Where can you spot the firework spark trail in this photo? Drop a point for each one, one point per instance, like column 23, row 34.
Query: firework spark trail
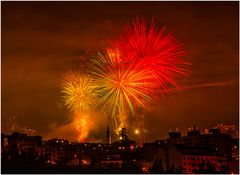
column 217, row 84
column 121, row 84
column 78, row 94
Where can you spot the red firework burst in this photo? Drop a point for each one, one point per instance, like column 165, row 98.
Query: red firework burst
column 156, row 50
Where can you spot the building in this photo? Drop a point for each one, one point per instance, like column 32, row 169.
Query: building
column 19, row 145
column 54, row 150
column 214, row 139
column 211, row 152
column 230, row 129
column 188, row 159
column 111, row 161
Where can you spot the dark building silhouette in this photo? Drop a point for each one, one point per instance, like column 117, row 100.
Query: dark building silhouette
column 212, row 152
column 187, row 159
column 174, row 134
column 17, row 145
column 193, row 132
column 214, row 139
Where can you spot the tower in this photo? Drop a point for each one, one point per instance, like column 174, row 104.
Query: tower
column 108, row 135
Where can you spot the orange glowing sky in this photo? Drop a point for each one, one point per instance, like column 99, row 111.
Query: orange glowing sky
column 43, row 40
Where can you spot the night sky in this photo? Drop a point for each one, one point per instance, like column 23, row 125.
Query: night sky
column 43, row 40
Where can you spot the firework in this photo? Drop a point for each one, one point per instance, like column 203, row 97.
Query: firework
column 79, row 98
column 83, row 125
column 12, row 126
column 130, row 74
column 157, row 51
column 77, row 91
column 121, row 85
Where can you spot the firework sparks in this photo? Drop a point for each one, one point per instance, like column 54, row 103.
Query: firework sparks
column 121, row 84
column 14, row 127
column 83, row 125
column 156, row 50
column 77, row 91
column 79, row 97
column 129, row 75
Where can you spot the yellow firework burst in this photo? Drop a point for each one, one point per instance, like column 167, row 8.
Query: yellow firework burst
column 77, row 90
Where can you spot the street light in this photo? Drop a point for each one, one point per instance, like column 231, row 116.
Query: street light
column 136, row 131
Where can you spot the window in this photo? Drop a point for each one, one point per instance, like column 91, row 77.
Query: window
column 184, row 163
